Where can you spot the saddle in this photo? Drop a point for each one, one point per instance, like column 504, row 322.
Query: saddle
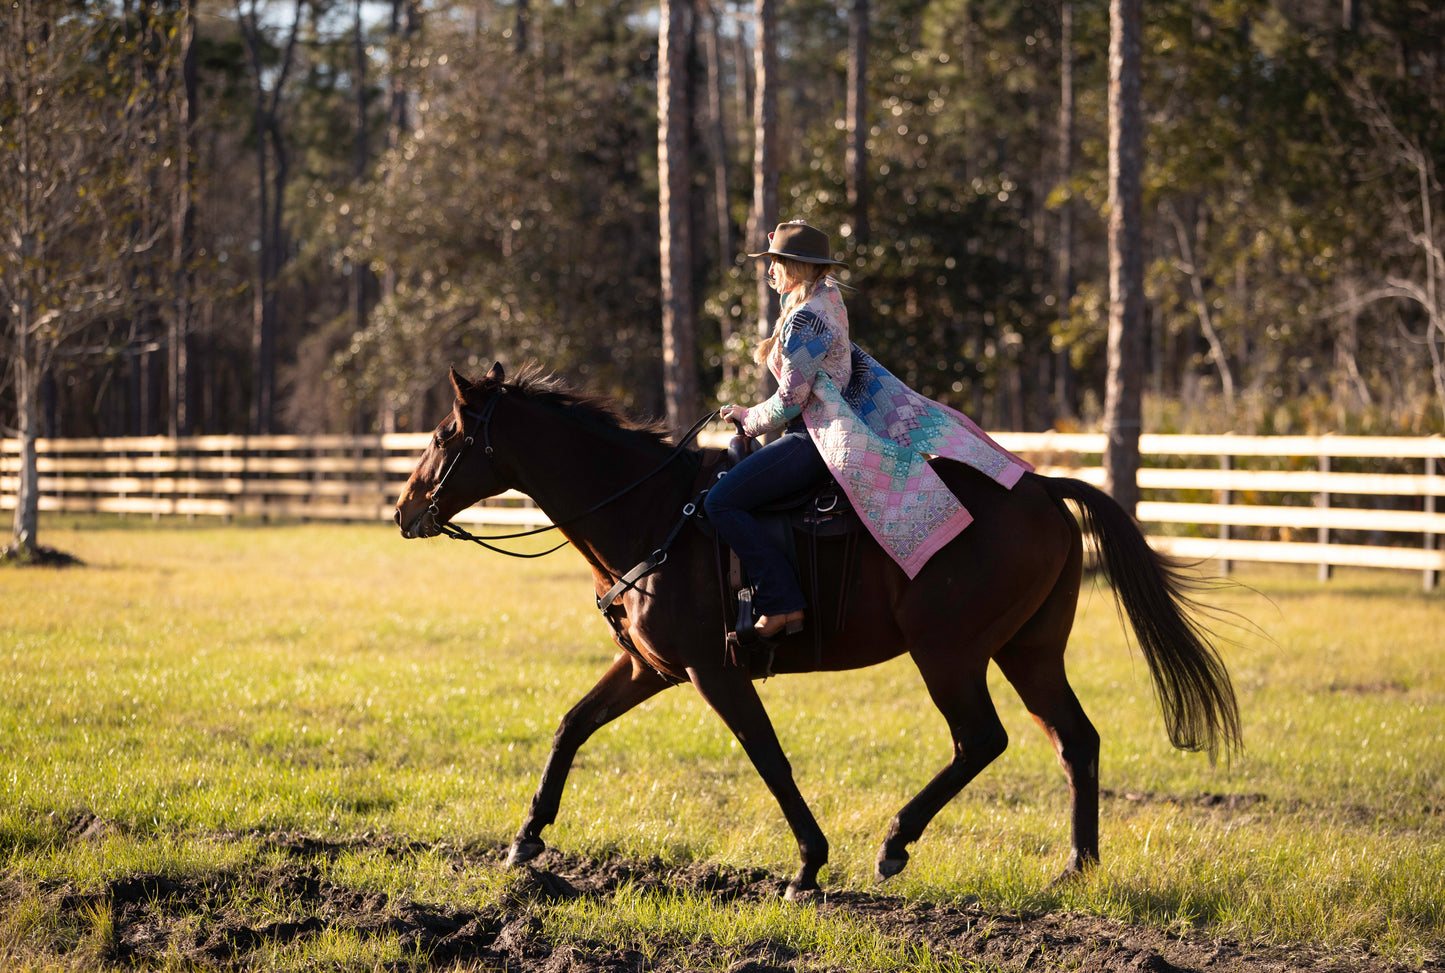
column 821, row 515
column 820, row 511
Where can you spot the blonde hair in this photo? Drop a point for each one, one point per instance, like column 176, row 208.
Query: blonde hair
column 810, row 277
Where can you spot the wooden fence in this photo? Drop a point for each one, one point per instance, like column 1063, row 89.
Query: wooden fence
column 1323, row 500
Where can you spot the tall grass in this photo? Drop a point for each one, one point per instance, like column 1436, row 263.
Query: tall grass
column 191, row 690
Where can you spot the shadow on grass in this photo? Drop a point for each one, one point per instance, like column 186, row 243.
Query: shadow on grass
column 25, row 556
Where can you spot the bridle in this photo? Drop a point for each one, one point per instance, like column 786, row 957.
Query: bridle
column 482, row 423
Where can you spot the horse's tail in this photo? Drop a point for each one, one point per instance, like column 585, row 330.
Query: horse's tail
column 1154, row 591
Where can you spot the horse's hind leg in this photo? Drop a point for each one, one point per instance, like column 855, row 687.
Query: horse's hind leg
column 1036, row 671
column 961, row 694
column 1033, row 661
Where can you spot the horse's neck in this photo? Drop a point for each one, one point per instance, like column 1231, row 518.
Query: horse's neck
column 568, row 468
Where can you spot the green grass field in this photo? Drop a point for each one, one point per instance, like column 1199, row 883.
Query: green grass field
column 191, row 692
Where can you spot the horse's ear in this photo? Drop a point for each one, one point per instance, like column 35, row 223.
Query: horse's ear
column 460, row 384
column 495, row 373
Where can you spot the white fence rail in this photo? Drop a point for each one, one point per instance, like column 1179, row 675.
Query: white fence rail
column 1327, row 500
column 1324, row 500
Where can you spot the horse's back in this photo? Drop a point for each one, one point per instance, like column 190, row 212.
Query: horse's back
column 1008, row 518
column 1002, row 567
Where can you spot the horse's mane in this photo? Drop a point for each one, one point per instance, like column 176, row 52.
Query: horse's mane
column 536, row 382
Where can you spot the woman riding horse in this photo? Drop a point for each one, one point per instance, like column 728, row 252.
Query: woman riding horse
column 842, row 413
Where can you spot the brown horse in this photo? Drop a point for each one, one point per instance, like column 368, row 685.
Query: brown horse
column 1004, row 590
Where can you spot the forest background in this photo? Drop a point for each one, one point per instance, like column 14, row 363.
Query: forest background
column 252, row 216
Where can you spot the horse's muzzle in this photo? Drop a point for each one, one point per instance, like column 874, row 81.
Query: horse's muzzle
column 424, row 524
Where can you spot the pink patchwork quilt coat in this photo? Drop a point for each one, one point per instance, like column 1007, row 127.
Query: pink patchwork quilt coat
column 875, row 433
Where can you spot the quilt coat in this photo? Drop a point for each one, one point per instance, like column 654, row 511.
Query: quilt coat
column 875, row 433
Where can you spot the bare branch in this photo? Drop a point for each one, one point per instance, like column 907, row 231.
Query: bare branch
column 1201, row 304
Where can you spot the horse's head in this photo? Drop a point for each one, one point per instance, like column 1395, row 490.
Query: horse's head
column 456, row 470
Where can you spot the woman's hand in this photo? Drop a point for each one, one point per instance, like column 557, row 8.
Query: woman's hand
column 733, row 413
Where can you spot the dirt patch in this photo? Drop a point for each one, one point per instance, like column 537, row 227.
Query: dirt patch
column 1387, row 687
column 1214, row 802
column 229, row 921
column 215, row 923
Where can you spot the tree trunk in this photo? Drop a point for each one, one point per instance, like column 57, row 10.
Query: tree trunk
column 26, row 366
column 765, row 163
column 405, row 21
column 1123, row 393
column 405, row 24
column 679, row 356
column 263, row 336
column 260, row 386
column 1064, row 281
column 271, row 188
column 524, row 18
column 359, row 159
column 1350, row 15
column 363, row 281
column 856, row 162
column 26, row 521
column 718, row 150
column 743, row 103
column 183, row 228
column 717, row 133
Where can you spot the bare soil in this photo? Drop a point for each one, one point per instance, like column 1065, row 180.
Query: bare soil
column 155, row 917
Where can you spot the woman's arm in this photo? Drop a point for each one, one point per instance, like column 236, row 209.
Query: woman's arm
column 805, row 342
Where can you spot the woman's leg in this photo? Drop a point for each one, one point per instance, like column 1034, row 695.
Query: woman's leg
column 786, row 466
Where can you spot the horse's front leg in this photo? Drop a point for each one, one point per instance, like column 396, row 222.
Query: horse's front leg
column 623, row 687
column 730, row 692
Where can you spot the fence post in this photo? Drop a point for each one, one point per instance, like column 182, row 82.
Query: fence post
column 193, row 479
column 381, row 471
column 124, row 467
column 1226, row 463
column 245, row 470
column 308, row 502
column 1431, row 576
column 156, row 485
column 1322, row 502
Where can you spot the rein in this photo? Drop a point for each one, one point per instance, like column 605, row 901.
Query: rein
column 482, row 421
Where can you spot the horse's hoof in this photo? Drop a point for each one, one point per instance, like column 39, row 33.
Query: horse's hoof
column 802, row 893
column 524, row 851
column 1069, row 876
column 892, row 857
column 886, row 868
column 1079, row 865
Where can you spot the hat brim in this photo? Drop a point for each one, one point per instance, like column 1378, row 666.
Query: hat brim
column 801, row 258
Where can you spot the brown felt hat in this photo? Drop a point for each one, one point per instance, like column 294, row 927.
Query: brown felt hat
column 799, row 241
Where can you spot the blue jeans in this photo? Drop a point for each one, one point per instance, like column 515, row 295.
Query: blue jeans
column 785, row 466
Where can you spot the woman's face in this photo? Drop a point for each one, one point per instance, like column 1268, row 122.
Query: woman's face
column 778, row 277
